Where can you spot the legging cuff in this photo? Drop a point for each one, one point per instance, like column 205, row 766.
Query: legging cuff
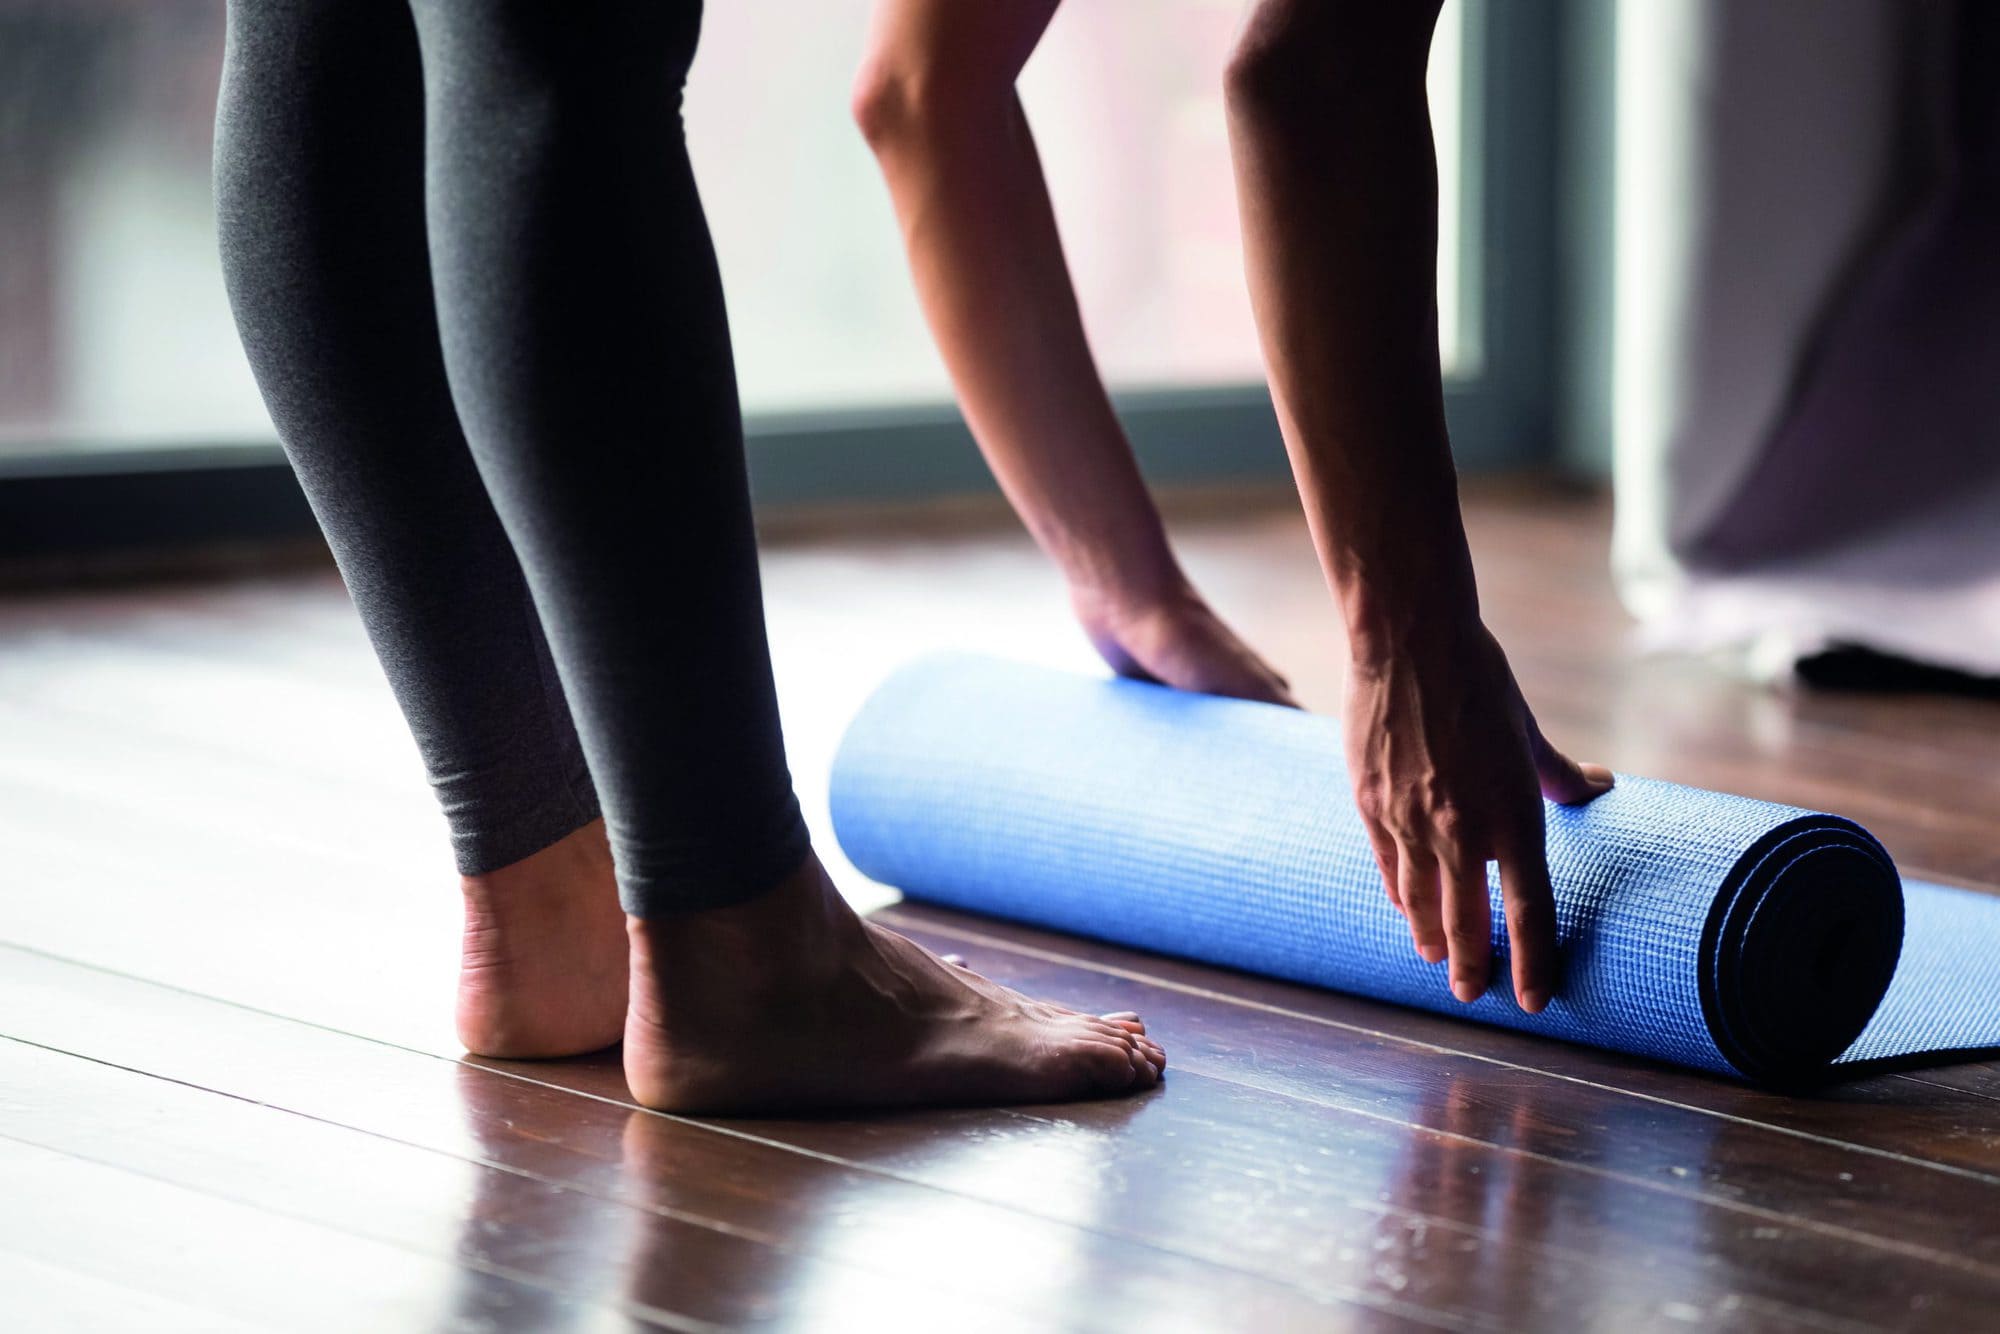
column 692, row 879
column 479, row 849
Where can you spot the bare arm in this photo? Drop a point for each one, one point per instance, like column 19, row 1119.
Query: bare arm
column 1337, row 184
column 936, row 100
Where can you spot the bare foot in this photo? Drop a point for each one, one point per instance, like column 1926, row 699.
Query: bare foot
column 543, row 969
column 791, row 1002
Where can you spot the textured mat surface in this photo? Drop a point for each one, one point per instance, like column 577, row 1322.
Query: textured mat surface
column 1712, row 931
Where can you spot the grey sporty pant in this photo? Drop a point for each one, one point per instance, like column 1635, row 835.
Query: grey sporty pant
column 467, row 258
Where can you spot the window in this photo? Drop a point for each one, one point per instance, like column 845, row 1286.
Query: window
column 118, row 358
column 1129, row 125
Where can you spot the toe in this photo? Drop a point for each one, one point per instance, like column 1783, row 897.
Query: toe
column 1105, row 1028
column 1102, row 1067
column 1145, row 1074
column 1128, row 1020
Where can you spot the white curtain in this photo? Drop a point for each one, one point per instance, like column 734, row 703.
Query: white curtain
column 1806, row 328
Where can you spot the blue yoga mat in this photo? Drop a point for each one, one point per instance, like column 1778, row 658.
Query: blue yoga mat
column 1712, row 931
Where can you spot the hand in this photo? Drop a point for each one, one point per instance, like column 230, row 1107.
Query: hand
column 1449, row 769
column 1176, row 640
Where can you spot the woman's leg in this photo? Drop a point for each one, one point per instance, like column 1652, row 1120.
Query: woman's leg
column 589, row 356
column 319, row 185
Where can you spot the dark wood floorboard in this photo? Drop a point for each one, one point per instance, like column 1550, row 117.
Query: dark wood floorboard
column 1163, row 1201
column 1937, row 1117
column 696, row 1198
column 563, row 1247
column 224, row 1263
column 233, row 1099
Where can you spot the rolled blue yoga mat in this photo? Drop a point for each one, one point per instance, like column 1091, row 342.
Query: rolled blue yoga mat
column 1738, row 936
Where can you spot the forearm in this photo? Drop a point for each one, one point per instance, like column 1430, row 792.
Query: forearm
column 1337, row 180
column 969, row 194
column 1330, row 136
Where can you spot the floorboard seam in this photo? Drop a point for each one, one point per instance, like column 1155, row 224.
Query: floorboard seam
column 1907, row 1249
column 1353, row 1297
column 555, row 1183
column 1950, row 1088
column 651, row 1315
column 1188, row 989
column 1341, row 1293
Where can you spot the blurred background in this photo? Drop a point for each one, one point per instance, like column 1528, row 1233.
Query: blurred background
column 1730, row 251
column 115, row 335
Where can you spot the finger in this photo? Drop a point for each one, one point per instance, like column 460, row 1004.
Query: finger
column 1256, row 689
column 1281, row 687
column 1238, row 675
column 1276, row 689
column 1127, row 666
column 1468, row 921
column 1563, row 779
column 1531, row 918
column 1418, row 881
column 1385, row 860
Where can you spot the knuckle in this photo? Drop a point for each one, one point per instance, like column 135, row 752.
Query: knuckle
column 1529, row 912
column 1450, row 821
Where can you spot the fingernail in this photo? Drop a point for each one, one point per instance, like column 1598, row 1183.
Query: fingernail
column 1534, row 1002
column 1465, row 989
column 1431, row 953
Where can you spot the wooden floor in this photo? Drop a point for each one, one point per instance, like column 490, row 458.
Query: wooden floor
column 229, row 1097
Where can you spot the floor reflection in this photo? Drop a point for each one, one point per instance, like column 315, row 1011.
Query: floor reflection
column 567, row 1241
column 898, row 1210
column 1503, row 1195
column 1490, row 1192
column 1557, row 1213
column 1464, row 1218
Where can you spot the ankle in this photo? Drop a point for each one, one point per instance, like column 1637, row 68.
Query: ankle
column 542, row 965
column 575, row 868
column 782, row 939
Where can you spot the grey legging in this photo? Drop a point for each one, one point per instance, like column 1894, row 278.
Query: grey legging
column 465, row 251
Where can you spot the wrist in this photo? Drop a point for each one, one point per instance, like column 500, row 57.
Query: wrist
column 1124, row 576
column 1409, row 614
column 1118, row 607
